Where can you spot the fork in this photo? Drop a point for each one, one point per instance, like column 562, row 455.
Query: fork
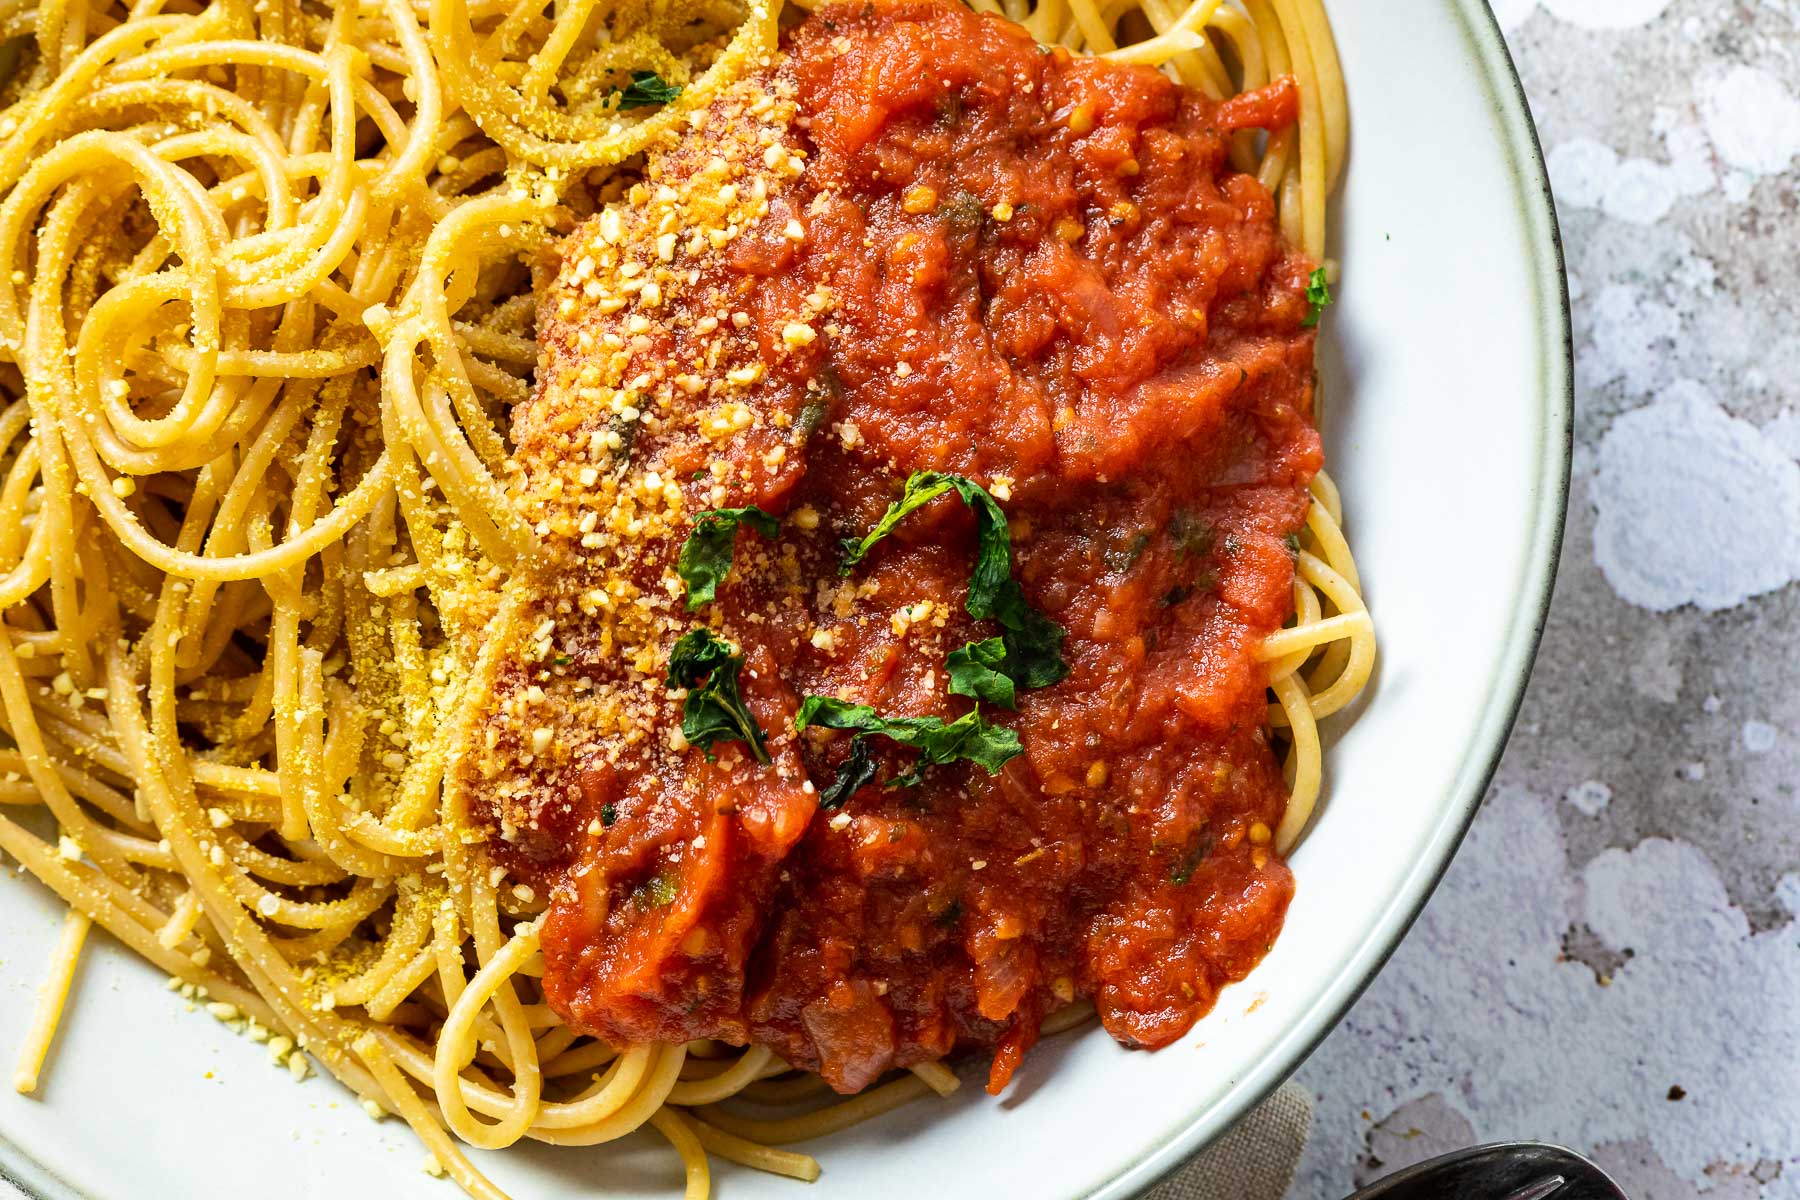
column 1506, row 1171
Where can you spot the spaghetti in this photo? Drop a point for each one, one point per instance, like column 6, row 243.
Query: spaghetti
column 269, row 299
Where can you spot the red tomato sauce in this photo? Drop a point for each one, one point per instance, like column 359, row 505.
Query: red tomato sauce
column 1044, row 275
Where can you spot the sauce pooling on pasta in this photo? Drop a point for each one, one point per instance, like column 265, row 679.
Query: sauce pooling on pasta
column 915, row 242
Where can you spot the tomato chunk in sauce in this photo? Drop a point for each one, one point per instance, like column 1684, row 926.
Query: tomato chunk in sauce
column 914, row 241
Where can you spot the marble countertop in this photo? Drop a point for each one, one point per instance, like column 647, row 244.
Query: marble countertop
column 1613, row 961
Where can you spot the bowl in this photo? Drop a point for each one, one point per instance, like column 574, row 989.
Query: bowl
column 1445, row 366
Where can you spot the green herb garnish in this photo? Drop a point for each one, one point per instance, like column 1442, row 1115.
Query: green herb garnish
column 608, row 814
column 921, row 489
column 822, row 395
column 713, row 712
column 658, row 891
column 977, row 670
column 911, row 779
column 949, row 108
column 1183, row 870
column 962, row 214
column 856, row 773
column 647, row 88
column 706, row 555
column 1123, row 558
column 1318, row 295
column 628, row 433
column 1194, row 534
column 1033, row 641
column 968, row 738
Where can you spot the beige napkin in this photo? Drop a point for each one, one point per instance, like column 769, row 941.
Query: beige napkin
column 1253, row 1160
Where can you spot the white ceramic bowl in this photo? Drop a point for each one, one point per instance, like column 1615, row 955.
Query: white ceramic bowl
column 1446, row 364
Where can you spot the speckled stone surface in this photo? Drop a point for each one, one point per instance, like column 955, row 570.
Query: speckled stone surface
column 1613, row 961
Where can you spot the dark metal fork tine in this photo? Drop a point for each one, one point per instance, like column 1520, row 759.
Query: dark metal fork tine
column 1543, row 1189
column 1506, row 1171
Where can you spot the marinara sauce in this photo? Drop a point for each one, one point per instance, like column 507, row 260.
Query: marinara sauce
column 978, row 256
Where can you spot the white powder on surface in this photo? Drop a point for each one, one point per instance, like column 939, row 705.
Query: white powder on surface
column 1784, row 431
column 1589, row 797
column 1787, row 891
column 1633, row 335
column 1752, row 118
column 1693, row 506
column 1588, row 174
column 1759, row 737
column 1579, row 169
column 1640, row 192
column 1512, row 13
column 1606, row 14
column 1588, row 14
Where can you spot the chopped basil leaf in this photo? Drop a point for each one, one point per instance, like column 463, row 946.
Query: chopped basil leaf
column 1183, row 870
column 1123, row 558
column 1292, row 542
column 968, row 738
column 608, row 814
column 912, row 778
column 706, row 555
column 962, row 215
column 1033, row 641
column 646, row 88
column 856, row 772
column 713, row 712
column 696, row 656
column 658, row 891
column 949, row 108
column 628, row 433
column 1318, row 295
column 977, row 670
column 812, row 415
column 1192, row 533
column 921, row 489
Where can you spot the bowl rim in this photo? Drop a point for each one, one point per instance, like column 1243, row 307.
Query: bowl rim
column 1506, row 94
column 1481, row 29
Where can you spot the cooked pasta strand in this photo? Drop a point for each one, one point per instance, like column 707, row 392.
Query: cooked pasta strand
column 53, row 993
